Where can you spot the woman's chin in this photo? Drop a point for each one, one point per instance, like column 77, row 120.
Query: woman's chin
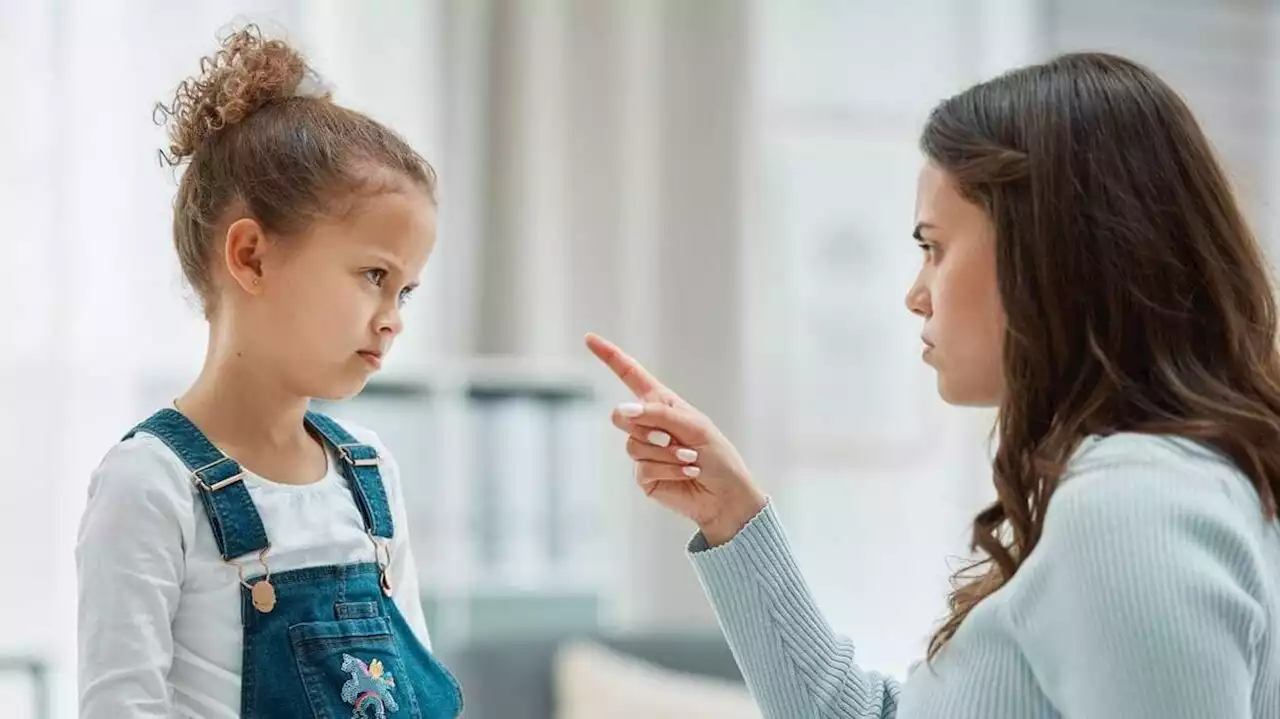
column 966, row 394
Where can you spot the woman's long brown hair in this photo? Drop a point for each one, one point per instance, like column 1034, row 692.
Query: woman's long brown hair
column 1137, row 298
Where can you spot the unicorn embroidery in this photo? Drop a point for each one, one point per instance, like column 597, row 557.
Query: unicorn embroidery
column 368, row 687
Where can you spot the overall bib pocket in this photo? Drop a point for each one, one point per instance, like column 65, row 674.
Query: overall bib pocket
column 350, row 667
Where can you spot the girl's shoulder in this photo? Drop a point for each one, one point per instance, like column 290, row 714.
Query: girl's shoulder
column 144, row 469
column 389, row 468
column 139, row 488
column 362, row 434
column 141, row 463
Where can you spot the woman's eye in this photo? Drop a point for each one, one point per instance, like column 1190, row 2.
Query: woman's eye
column 376, row 276
column 930, row 250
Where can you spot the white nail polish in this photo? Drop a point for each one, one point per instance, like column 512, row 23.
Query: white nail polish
column 660, row 439
column 684, row 454
column 691, row 471
column 630, row 409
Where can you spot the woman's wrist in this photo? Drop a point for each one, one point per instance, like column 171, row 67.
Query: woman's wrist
column 726, row 525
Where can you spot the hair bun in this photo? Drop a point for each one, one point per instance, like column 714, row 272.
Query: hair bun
column 246, row 73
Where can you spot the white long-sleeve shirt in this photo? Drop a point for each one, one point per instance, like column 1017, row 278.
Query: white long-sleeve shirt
column 159, row 611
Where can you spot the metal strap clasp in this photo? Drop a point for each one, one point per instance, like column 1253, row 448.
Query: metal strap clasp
column 349, row 458
column 198, row 476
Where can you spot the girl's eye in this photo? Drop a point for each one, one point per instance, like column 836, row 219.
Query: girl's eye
column 376, row 276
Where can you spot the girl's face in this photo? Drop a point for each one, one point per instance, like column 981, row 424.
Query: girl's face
column 323, row 308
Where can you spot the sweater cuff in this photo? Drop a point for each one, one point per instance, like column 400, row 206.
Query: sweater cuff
column 725, row 567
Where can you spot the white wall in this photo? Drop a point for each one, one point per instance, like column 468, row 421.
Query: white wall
column 876, row 479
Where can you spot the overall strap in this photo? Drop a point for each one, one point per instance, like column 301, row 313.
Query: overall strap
column 360, row 467
column 237, row 526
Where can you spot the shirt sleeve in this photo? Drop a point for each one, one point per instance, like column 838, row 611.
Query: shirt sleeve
column 130, row 564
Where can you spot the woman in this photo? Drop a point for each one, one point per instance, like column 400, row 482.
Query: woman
column 1087, row 271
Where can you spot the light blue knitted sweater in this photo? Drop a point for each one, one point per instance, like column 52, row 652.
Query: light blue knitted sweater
column 1154, row 593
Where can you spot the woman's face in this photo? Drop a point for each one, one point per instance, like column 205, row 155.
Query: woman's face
column 956, row 293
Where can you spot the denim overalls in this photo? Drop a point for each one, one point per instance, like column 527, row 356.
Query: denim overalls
column 328, row 639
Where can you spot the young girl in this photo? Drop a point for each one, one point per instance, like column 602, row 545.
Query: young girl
column 1086, row 270
column 240, row 555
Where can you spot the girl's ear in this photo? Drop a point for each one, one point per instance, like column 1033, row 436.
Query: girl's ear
column 244, row 246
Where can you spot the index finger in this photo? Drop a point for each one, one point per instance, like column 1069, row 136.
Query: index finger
column 637, row 379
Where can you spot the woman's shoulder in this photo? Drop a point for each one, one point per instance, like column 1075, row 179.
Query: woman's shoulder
column 1132, row 505
column 1108, row 473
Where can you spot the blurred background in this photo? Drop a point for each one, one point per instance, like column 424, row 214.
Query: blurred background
column 724, row 187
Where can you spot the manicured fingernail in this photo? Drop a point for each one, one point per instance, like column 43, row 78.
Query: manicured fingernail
column 660, row 439
column 691, row 471
column 630, row 409
column 684, row 454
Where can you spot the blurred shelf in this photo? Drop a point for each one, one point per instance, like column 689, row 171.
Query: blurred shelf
column 490, row 377
column 491, row 582
column 481, row 377
column 506, row 616
column 36, row 671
